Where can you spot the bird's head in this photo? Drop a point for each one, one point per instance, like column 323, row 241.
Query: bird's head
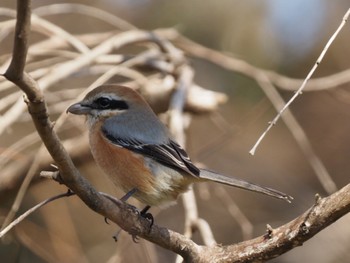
column 120, row 111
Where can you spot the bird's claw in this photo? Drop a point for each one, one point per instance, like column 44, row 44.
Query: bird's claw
column 143, row 213
column 135, row 238
column 149, row 217
column 116, row 235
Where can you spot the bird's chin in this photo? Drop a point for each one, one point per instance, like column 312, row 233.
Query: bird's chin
column 91, row 120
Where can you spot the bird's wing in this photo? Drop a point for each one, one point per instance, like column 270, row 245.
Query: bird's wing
column 173, row 155
column 170, row 154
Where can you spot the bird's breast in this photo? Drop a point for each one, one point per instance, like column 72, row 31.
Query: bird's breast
column 156, row 183
column 125, row 168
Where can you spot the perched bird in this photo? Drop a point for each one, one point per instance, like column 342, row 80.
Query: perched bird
column 136, row 151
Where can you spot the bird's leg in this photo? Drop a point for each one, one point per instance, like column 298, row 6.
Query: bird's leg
column 145, row 209
column 124, row 198
column 143, row 213
column 128, row 194
column 116, row 235
column 146, row 215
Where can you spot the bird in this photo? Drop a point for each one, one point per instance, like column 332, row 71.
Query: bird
column 136, row 151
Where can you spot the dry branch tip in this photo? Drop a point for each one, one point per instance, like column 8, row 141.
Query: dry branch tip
column 269, row 232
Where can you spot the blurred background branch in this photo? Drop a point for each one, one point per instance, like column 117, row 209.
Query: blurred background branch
column 103, row 47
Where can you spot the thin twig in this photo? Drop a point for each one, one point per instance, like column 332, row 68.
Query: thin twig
column 234, row 210
column 177, row 103
column 299, row 135
column 65, row 69
column 300, row 90
column 24, row 187
column 85, row 10
column 240, row 66
column 32, row 210
column 50, row 29
column 266, row 79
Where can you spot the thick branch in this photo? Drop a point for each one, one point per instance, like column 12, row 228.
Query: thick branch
column 280, row 240
column 324, row 212
column 118, row 212
column 21, row 39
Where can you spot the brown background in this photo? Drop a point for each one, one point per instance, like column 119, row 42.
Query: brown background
column 68, row 231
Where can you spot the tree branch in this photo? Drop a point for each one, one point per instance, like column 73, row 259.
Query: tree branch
column 324, row 212
column 276, row 242
column 121, row 213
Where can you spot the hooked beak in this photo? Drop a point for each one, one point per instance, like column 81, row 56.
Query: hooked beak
column 79, row 109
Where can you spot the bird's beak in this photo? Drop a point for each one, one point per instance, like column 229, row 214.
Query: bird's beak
column 79, row 109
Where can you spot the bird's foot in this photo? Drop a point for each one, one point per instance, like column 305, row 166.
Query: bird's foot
column 147, row 215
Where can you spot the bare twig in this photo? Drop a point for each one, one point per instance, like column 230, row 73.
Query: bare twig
column 177, row 128
column 178, row 102
column 266, row 79
column 65, row 69
column 23, row 189
column 300, row 90
column 85, row 10
column 135, row 224
column 235, row 212
column 323, row 213
column 5, row 230
column 299, row 135
column 243, row 67
column 193, row 221
column 34, row 166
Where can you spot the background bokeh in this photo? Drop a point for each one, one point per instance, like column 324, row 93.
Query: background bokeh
column 283, row 36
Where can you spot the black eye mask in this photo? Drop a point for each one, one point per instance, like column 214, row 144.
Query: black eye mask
column 111, row 104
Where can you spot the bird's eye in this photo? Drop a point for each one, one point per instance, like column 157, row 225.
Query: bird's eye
column 103, row 103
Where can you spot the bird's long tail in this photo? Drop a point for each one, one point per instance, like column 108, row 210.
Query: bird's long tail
column 215, row 177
